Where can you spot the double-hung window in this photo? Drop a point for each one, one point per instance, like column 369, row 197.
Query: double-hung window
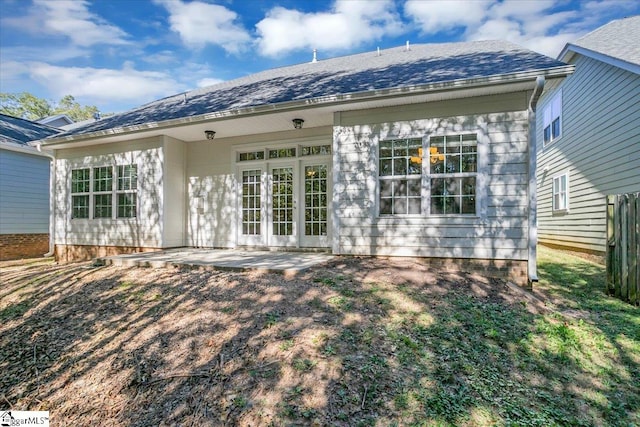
column 450, row 173
column 126, row 193
column 95, row 193
column 400, row 176
column 560, row 192
column 102, row 192
column 552, row 119
column 453, row 166
column 80, row 193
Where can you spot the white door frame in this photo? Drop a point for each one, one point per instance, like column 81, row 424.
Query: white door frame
column 266, row 237
column 323, row 237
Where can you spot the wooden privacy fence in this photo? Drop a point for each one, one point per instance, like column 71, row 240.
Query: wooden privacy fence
column 623, row 246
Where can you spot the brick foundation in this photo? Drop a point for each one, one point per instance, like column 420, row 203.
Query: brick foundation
column 515, row 271
column 512, row 270
column 18, row 246
column 76, row 253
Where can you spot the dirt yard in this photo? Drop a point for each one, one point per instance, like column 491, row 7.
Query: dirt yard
column 358, row 341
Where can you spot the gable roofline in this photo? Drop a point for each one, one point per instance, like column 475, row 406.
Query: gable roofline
column 570, row 50
column 21, row 131
column 321, row 101
column 48, row 119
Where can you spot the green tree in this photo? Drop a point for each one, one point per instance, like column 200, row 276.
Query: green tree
column 30, row 107
column 69, row 106
column 24, row 105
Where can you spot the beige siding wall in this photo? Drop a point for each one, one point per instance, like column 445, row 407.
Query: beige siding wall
column 212, row 206
column 599, row 148
column 174, row 166
column 498, row 231
column 211, row 214
column 142, row 231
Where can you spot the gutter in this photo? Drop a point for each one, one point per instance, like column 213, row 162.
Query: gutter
column 20, row 148
column 52, row 199
column 532, row 265
column 318, row 102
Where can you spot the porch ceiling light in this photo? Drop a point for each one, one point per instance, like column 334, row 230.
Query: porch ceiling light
column 297, row 123
column 210, row 134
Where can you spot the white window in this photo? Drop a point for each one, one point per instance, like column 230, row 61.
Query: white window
column 560, row 192
column 400, row 176
column 451, row 175
column 453, row 162
column 552, row 119
column 94, row 195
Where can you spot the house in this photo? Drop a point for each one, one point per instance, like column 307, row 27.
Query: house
column 413, row 151
column 588, row 133
column 56, row 121
column 24, row 189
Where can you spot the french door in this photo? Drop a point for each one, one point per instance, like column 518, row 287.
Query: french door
column 285, row 204
column 282, row 209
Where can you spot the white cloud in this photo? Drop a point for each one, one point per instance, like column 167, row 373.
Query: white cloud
column 70, row 19
column 199, row 24
column 104, row 84
column 209, row 82
column 442, row 15
column 348, row 24
column 531, row 24
column 541, row 25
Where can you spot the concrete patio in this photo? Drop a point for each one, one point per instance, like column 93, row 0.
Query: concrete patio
column 288, row 263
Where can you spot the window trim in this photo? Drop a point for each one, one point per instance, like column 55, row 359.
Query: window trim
column 114, row 192
column 554, row 179
column 426, row 175
column 407, row 177
column 461, row 175
column 552, row 111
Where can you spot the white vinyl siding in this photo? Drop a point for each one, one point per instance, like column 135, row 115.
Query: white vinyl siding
column 600, row 145
column 498, row 230
column 143, row 230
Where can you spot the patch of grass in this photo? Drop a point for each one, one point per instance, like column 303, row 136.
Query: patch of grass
column 287, row 345
column 14, row 310
column 325, row 280
column 123, row 286
column 303, row 365
column 271, row 319
column 340, row 303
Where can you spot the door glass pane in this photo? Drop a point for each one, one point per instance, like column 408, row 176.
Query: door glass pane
column 315, row 197
column 251, row 202
column 282, row 210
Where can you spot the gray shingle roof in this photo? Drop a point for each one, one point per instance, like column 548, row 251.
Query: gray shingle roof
column 21, row 131
column 619, row 39
column 393, row 68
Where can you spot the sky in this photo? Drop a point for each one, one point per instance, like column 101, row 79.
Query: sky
column 120, row 54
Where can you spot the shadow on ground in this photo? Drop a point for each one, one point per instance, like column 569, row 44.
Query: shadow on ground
column 358, row 341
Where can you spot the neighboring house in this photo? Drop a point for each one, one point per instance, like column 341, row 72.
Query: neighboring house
column 416, row 152
column 24, row 189
column 58, row 121
column 588, row 134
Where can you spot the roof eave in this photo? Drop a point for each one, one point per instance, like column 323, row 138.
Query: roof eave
column 571, row 49
column 20, row 148
column 556, row 72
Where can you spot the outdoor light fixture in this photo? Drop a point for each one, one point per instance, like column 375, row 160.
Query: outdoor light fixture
column 210, row 134
column 297, row 123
